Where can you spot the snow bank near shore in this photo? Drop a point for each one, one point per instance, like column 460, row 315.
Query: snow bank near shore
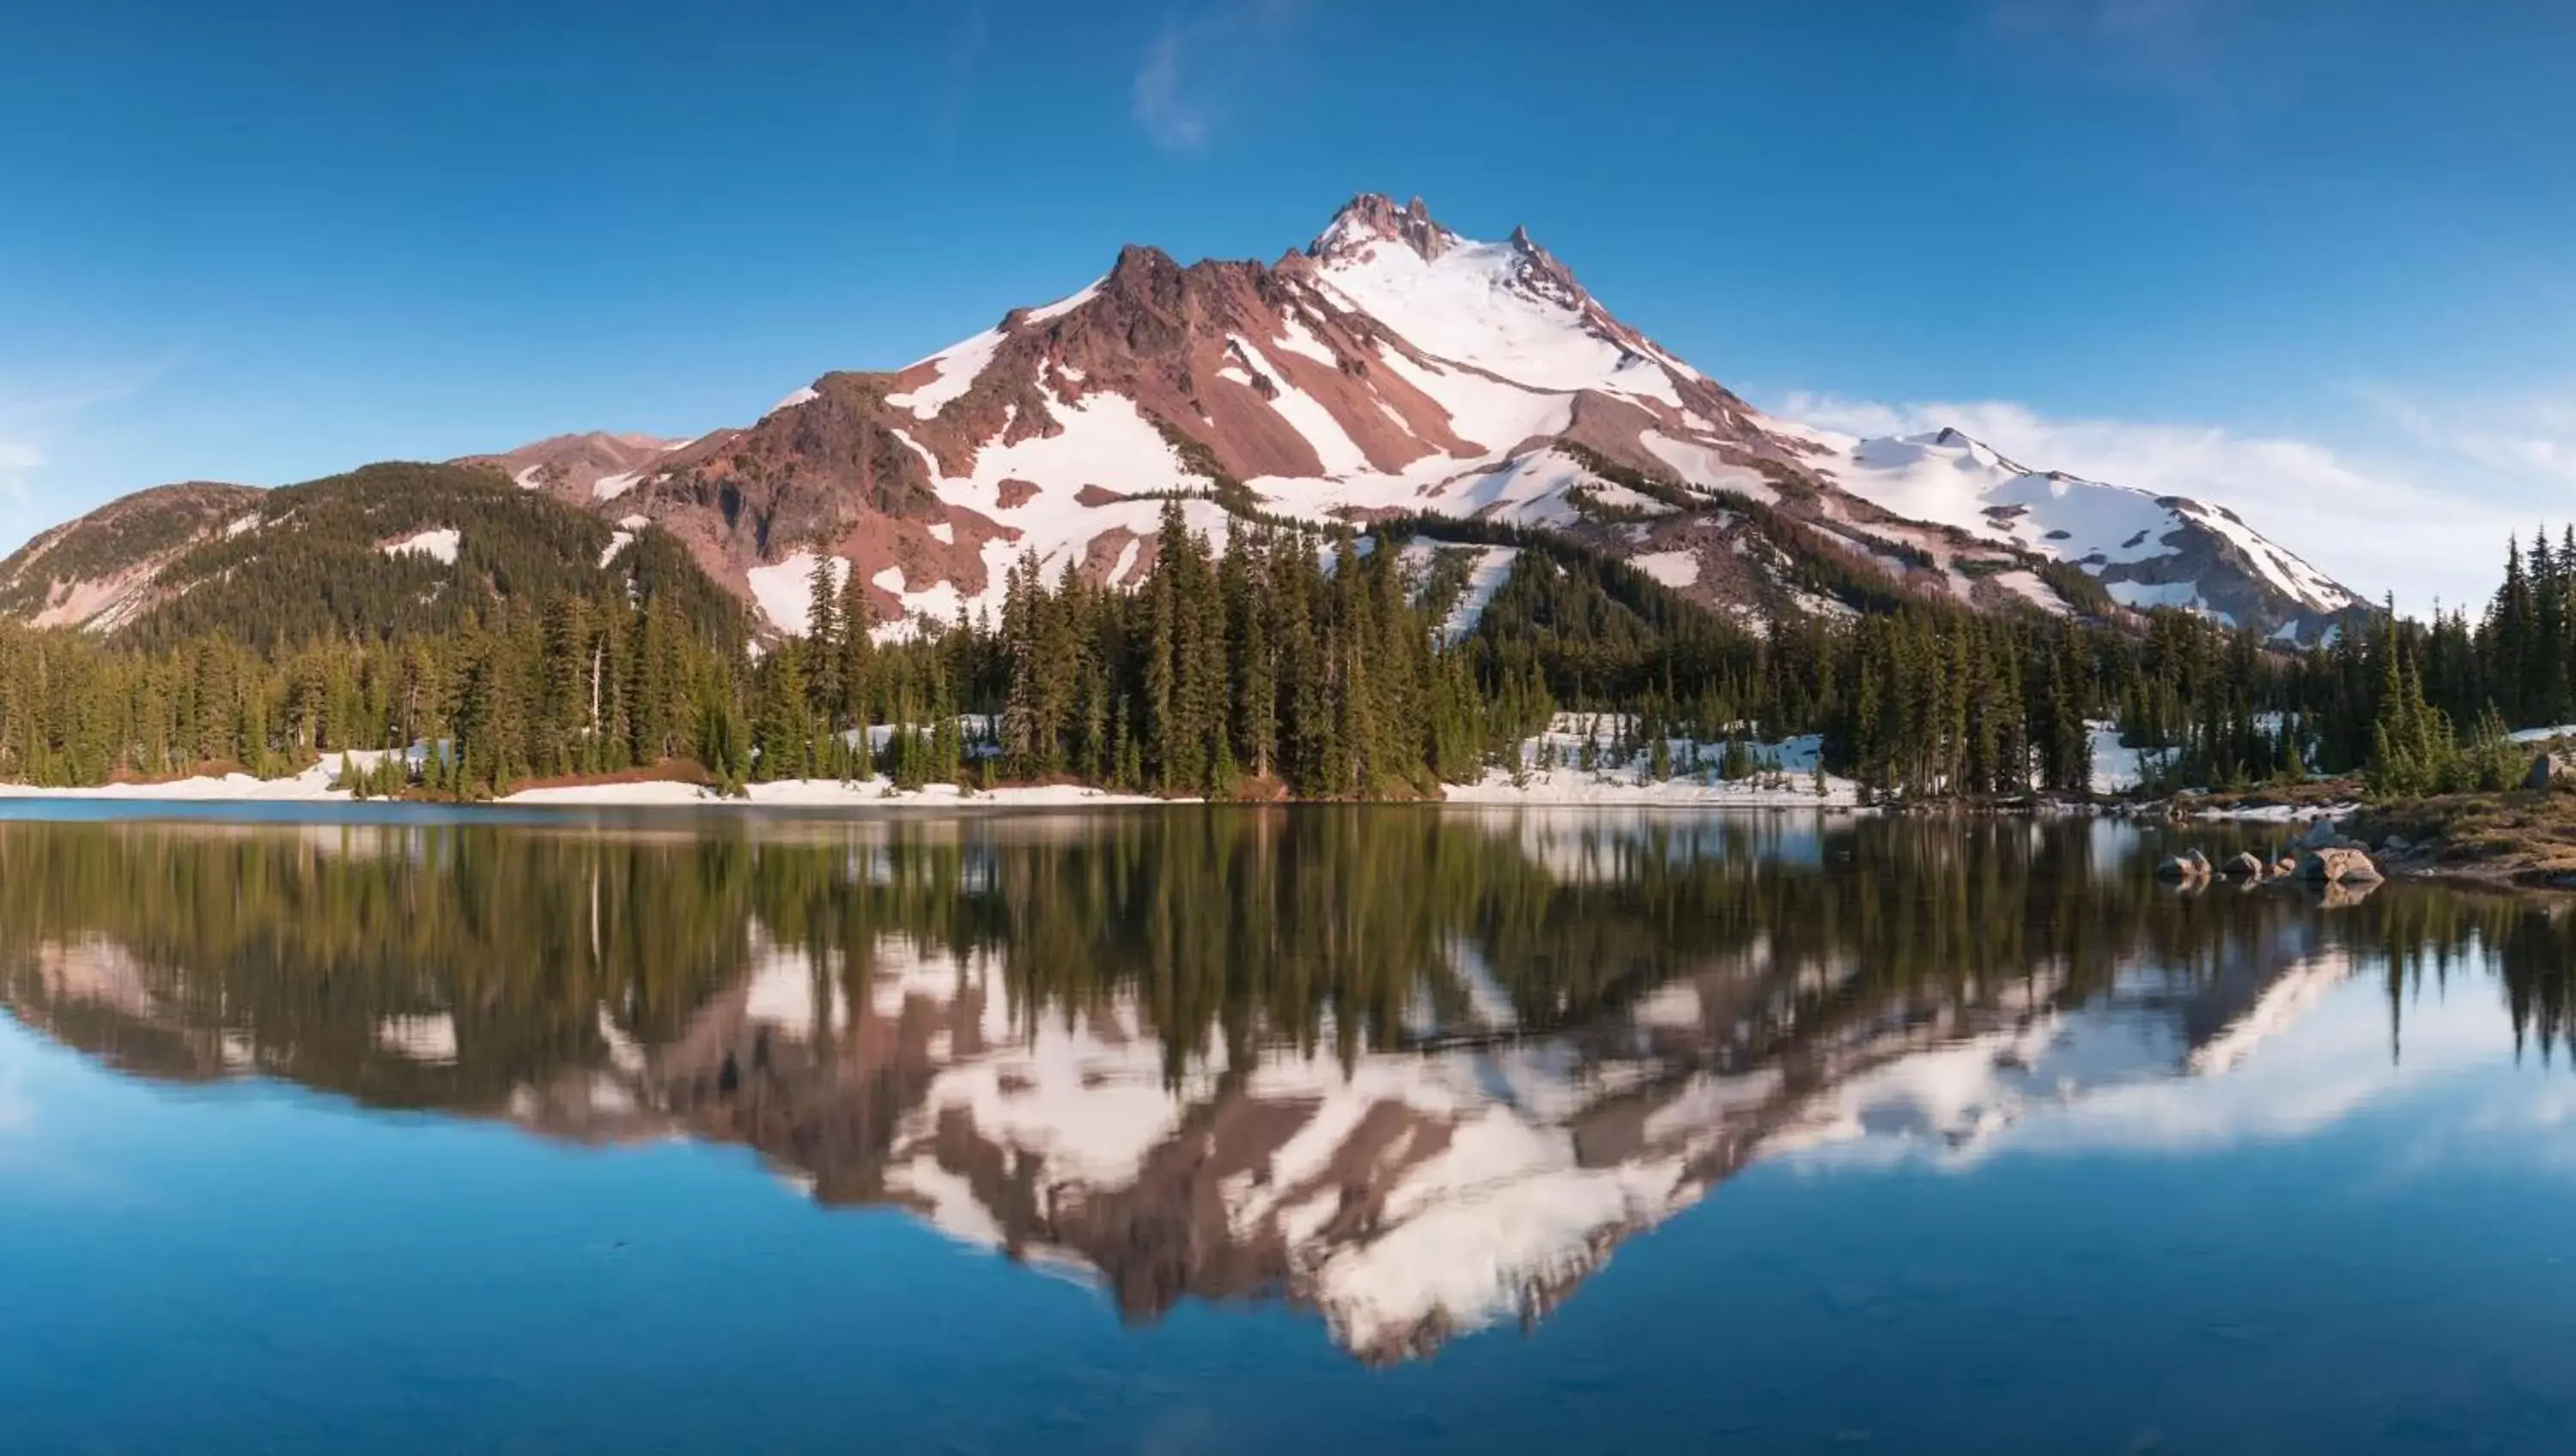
column 313, row 785
column 1557, row 768
column 1553, row 771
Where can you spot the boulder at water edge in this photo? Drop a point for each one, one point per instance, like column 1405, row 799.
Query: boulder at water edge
column 2187, row 868
column 2337, row 867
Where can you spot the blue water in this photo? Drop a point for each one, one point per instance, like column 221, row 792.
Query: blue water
column 2326, row 1247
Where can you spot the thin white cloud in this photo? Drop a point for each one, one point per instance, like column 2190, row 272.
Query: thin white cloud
column 31, row 420
column 17, row 1110
column 964, row 62
column 1181, row 88
column 2421, row 525
column 2171, row 45
column 19, row 462
column 2529, row 434
column 20, row 514
column 1175, row 122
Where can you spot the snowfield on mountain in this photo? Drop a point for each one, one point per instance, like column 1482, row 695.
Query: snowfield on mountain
column 1390, row 369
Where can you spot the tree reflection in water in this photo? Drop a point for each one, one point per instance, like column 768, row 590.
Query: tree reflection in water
column 1418, row 1070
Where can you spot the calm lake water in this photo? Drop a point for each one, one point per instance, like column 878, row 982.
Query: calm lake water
column 1176, row 1131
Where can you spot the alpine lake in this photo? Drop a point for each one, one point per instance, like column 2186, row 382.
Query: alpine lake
column 398, row 1129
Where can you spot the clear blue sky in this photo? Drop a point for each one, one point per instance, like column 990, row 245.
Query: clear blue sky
column 2296, row 247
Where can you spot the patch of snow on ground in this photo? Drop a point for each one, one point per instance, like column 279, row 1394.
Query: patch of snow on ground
column 2140, row 595
column 1552, row 772
column 1297, row 339
column 1531, row 491
column 440, row 543
column 2028, row 586
column 1700, row 465
column 943, row 533
column 1308, row 417
column 1489, row 413
column 311, row 785
column 1066, row 304
column 785, row 590
column 958, row 366
column 1468, row 306
column 2117, row 768
column 617, row 541
column 802, row 396
column 1493, row 567
column 1675, row 569
column 610, row 487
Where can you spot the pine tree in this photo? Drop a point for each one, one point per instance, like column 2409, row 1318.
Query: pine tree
column 785, row 731
column 823, row 629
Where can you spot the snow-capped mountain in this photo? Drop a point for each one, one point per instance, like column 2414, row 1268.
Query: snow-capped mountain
column 2147, row 550
column 1391, row 367
column 1394, row 367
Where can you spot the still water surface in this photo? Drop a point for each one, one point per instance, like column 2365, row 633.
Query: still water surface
column 1372, row 1130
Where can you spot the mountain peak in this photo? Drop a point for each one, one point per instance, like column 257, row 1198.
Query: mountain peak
column 1372, row 216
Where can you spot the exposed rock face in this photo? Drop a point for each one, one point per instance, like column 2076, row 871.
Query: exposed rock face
column 102, row 570
column 594, row 469
column 2245, row 867
column 1392, row 367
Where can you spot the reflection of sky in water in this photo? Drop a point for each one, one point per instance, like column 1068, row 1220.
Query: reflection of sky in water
column 17, row 1113
column 2316, row 1052
column 2047, row 1242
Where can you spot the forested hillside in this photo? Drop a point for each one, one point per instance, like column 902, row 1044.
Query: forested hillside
column 425, row 605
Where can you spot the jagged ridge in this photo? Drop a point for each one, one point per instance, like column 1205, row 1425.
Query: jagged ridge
column 1391, row 367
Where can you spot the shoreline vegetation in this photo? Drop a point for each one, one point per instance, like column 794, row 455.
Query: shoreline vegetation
column 2505, row 839
column 1280, row 664
column 2522, row 838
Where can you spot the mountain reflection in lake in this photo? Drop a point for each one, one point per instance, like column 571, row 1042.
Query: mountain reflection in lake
column 1418, row 1073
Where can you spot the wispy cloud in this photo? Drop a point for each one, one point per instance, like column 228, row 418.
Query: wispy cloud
column 965, row 60
column 1173, row 120
column 2528, row 434
column 2179, row 47
column 1180, row 89
column 17, row 1112
column 19, row 462
column 33, row 418
column 2424, row 524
